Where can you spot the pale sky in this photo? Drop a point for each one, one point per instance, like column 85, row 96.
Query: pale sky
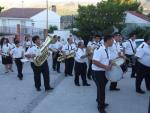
column 30, row 3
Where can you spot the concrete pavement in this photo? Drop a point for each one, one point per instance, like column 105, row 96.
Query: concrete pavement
column 68, row 98
column 20, row 96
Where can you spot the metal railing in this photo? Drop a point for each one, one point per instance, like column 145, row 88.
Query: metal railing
column 24, row 30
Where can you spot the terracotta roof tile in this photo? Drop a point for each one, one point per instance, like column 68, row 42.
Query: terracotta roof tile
column 21, row 12
column 142, row 16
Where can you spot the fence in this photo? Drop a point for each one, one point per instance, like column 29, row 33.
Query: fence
column 23, row 30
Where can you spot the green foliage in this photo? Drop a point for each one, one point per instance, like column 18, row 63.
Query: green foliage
column 101, row 18
column 141, row 31
column 1, row 8
column 52, row 28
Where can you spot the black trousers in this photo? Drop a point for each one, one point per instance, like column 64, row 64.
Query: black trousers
column 101, row 81
column 56, row 64
column 37, row 70
column 80, row 69
column 89, row 74
column 69, row 63
column 133, row 65
column 19, row 65
column 143, row 72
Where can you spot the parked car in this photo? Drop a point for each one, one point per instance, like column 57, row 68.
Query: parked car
column 139, row 41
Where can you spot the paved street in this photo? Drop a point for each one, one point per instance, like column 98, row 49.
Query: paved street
column 68, row 98
column 21, row 97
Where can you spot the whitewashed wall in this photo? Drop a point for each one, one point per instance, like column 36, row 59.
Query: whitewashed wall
column 130, row 18
column 40, row 19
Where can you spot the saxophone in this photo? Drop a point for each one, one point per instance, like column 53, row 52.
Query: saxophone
column 62, row 58
column 44, row 52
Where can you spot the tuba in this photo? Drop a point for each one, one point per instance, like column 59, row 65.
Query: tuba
column 44, row 52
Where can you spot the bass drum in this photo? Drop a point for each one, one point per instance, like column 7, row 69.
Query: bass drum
column 115, row 74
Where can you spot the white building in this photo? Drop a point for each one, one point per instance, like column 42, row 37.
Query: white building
column 29, row 17
column 133, row 17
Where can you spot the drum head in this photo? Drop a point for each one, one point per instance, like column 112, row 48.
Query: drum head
column 115, row 74
column 119, row 61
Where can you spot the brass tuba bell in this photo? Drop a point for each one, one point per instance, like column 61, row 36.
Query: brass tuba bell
column 44, row 52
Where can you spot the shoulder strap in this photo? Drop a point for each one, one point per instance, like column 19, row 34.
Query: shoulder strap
column 142, row 46
column 132, row 46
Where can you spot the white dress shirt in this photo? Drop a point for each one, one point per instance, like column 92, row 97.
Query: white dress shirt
column 69, row 48
column 80, row 52
column 101, row 55
column 114, row 50
column 12, row 45
column 143, row 53
column 94, row 44
column 33, row 50
column 128, row 47
column 56, row 46
column 17, row 52
column 28, row 43
column 6, row 49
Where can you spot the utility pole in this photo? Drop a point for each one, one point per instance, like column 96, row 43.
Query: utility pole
column 47, row 14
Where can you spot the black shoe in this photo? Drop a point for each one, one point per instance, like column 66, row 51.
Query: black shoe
column 114, row 89
column 58, row 72
column 133, row 76
column 49, row 89
column 101, row 110
column 71, row 75
column 89, row 77
column 86, row 84
column 140, row 91
column 106, row 105
column 38, row 89
column 77, row 84
column 20, row 78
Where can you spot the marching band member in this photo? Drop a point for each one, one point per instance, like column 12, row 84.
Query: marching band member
column 55, row 48
column 80, row 65
column 37, row 70
column 100, row 64
column 18, row 54
column 115, row 52
column 92, row 45
column 130, row 49
column 143, row 65
column 69, row 62
column 5, row 52
column 27, row 43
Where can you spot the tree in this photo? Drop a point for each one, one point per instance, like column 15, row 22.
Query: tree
column 1, row 8
column 52, row 28
column 101, row 19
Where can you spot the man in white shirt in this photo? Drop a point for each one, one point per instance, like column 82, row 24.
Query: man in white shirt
column 115, row 52
column 80, row 67
column 93, row 45
column 130, row 49
column 44, row 69
column 56, row 48
column 143, row 65
column 69, row 48
column 18, row 54
column 101, row 64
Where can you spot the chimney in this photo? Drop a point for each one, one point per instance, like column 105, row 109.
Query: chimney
column 54, row 8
